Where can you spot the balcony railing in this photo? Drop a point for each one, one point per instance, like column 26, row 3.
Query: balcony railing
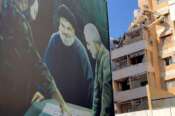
column 130, row 94
column 169, row 74
column 128, row 49
column 132, row 71
column 167, row 52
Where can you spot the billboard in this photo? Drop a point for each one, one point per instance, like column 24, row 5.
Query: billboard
column 55, row 58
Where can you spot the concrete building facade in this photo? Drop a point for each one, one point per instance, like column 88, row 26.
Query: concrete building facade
column 144, row 60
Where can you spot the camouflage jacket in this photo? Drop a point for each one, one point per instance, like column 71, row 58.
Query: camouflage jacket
column 103, row 96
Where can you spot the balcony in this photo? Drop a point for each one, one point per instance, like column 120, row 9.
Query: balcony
column 130, row 94
column 134, row 35
column 128, row 49
column 167, row 52
column 166, row 46
column 132, row 71
column 169, row 72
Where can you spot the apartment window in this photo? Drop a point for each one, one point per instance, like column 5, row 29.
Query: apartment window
column 124, row 84
column 140, row 104
column 134, row 105
column 136, row 58
column 166, row 42
column 126, row 107
column 139, row 81
column 170, row 84
column 121, row 62
column 144, row 83
column 168, row 61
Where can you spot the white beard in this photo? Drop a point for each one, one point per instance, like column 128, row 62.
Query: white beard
column 67, row 41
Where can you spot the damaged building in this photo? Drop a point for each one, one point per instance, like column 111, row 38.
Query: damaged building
column 133, row 67
column 143, row 61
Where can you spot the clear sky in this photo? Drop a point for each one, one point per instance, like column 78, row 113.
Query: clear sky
column 120, row 13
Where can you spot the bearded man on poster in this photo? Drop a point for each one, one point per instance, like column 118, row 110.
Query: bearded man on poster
column 103, row 95
column 68, row 61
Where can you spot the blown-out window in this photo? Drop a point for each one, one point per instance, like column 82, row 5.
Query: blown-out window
column 168, row 61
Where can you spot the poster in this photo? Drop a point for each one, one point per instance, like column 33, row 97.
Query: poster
column 54, row 58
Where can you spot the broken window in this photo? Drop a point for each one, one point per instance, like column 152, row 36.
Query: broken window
column 133, row 36
column 168, row 61
column 124, row 84
column 134, row 105
column 136, row 58
column 121, row 62
column 144, row 83
column 139, row 81
column 140, row 104
column 126, row 107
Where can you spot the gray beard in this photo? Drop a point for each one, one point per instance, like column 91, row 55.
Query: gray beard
column 67, row 41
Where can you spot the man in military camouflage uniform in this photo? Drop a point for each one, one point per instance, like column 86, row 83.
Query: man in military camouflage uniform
column 22, row 73
column 103, row 97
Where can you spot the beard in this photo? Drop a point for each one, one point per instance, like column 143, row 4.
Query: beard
column 67, row 41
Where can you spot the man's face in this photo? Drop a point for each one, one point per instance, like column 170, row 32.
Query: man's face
column 66, row 31
column 91, row 46
column 23, row 4
column 34, row 10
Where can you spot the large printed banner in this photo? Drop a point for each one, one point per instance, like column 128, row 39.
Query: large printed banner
column 54, row 58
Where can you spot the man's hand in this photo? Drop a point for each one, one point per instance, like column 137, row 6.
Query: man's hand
column 37, row 97
column 64, row 108
column 66, row 111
